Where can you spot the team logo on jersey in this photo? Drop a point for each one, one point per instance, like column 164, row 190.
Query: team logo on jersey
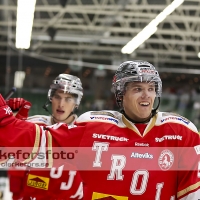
column 166, row 160
column 38, row 182
column 141, row 155
column 101, row 196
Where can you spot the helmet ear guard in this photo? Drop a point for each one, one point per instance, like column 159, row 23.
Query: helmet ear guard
column 46, row 105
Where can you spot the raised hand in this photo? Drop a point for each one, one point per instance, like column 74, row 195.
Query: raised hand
column 21, row 106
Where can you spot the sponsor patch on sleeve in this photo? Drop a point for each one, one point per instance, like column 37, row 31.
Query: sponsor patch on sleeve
column 101, row 196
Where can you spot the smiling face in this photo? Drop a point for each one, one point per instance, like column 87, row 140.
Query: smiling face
column 138, row 100
column 62, row 105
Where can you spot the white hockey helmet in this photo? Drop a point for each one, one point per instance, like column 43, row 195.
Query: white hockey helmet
column 67, row 83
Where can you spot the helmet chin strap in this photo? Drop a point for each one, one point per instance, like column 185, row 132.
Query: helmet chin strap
column 45, row 107
column 153, row 113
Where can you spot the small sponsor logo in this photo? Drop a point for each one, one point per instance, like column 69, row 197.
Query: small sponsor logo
column 42, row 120
column 8, row 110
column 38, row 182
column 27, row 106
column 166, row 160
column 147, row 71
column 105, row 118
column 114, row 79
column 168, row 137
column 102, row 196
column 141, row 155
column 102, row 113
column 137, row 144
column 37, row 120
column 175, row 118
column 110, row 137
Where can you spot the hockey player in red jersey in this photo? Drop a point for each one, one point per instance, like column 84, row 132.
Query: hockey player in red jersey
column 138, row 153
column 64, row 96
column 16, row 174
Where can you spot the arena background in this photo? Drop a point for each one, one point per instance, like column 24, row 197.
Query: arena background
column 85, row 38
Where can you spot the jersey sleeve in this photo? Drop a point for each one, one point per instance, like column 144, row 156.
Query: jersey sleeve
column 17, row 133
column 30, row 137
column 17, row 174
column 188, row 168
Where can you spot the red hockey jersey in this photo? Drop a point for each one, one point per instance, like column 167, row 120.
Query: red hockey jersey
column 42, row 184
column 117, row 162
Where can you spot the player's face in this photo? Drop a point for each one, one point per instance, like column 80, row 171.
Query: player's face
column 138, row 100
column 62, row 105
